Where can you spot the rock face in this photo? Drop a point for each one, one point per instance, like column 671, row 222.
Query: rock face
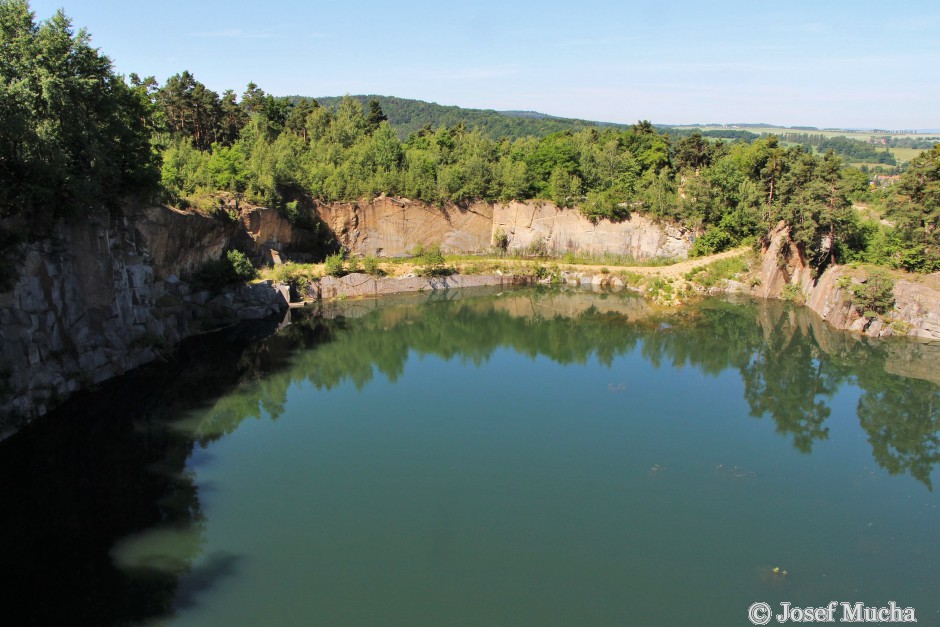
column 177, row 242
column 917, row 303
column 534, row 223
column 271, row 236
column 102, row 296
column 106, row 294
column 392, row 227
column 358, row 285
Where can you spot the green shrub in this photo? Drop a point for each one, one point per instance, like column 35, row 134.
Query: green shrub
column 370, row 265
column 538, row 248
column 793, row 293
column 538, row 271
column 241, row 265
column 720, row 270
column 432, row 262
column 500, row 240
column 235, row 267
column 713, row 241
column 876, row 295
column 334, row 265
column 296, row 275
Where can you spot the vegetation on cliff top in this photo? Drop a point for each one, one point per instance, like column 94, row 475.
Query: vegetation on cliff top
column 74, row 133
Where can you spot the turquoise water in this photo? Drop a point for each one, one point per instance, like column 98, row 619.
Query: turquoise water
column 548, row 458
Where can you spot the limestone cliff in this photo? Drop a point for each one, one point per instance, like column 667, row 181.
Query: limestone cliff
column 538, row 223
column 392, row 227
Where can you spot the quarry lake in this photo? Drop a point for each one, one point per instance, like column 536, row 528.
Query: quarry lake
column 517, row 457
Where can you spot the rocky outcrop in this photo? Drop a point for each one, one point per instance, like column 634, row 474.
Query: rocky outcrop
column 358, row 285
column 179, row 242
column 102, row 296
column 537, row 224
column 393, row 227
column 916, row 312
column 270, row 236
column 176, row 242
column 917, row 306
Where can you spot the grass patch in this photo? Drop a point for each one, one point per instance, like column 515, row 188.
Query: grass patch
column 793, row 294
column 296, row 275
column 717, row 271
column 608, row 259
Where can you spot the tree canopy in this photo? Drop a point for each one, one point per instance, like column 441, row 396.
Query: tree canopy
column 73, row 134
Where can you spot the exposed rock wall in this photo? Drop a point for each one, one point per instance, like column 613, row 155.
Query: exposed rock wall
column 560, row 231
column 392, row 227
column 176, row 242
column 272, row 237
column 358, row 285
column 917, row 301
column 101, row 296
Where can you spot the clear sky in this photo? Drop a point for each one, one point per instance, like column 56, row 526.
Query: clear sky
column 825, row 63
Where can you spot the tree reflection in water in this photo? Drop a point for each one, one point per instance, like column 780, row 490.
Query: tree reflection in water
column 79, row 485
column 790, row 361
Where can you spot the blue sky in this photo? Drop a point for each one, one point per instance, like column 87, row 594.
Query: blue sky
column 823, row 63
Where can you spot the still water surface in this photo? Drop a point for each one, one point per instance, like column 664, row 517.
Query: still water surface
column 533, row 457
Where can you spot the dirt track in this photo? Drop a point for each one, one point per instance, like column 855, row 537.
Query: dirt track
column 402, row 268
column 674, row 270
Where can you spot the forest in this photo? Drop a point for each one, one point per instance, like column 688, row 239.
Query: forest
column 408, row 116
column 850, row 149
column 76, row 136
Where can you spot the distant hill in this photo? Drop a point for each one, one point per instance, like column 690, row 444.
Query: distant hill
column 409, row 116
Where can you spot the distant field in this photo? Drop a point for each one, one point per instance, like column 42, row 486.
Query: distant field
column 779, row 130
column 903, row 155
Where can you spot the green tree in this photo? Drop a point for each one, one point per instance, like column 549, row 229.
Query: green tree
column 386, row 150
column 375, row 116
column 252, row 100
column 563, row 187
column 692, row 152
column 915, row 206
column 73, row 135
column 232, row 118
column 297, row 118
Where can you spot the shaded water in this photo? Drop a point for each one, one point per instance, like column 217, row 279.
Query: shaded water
column 527, row 457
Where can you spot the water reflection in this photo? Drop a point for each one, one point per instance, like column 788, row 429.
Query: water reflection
column 791, row 362
column 99, row 504
column 78, row 485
